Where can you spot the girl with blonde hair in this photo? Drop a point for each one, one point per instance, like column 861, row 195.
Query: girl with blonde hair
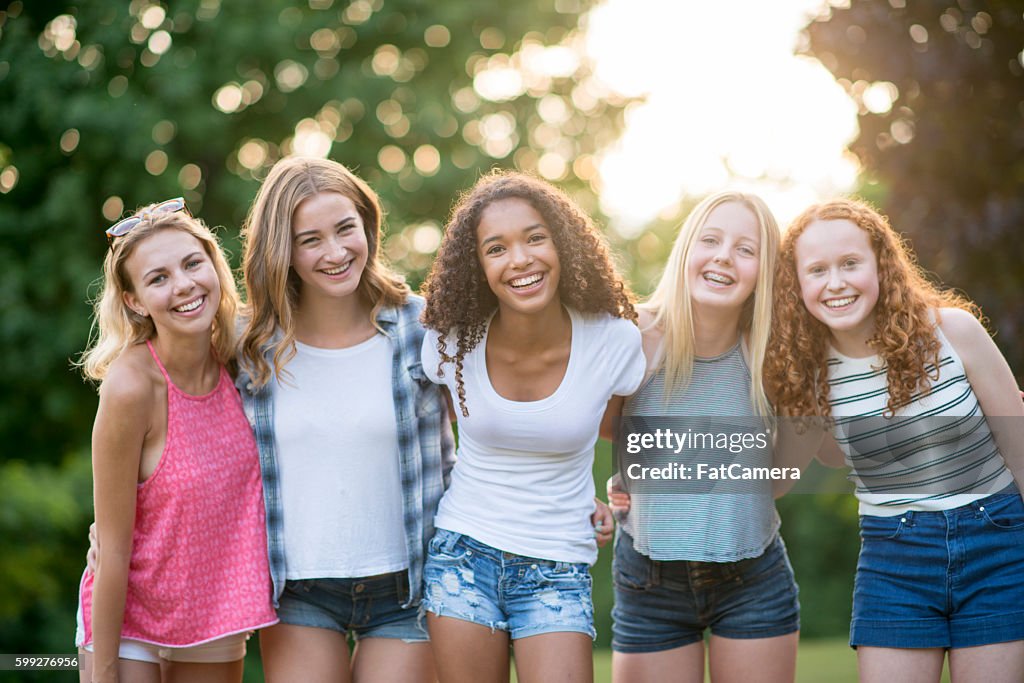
column 687, row 560
column 908, row 382
column 355, row 444
column 171, row 450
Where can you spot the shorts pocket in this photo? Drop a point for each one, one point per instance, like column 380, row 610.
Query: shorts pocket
column 1006, row 514
column 447, row 546
column 873, row 528
column 630, row 570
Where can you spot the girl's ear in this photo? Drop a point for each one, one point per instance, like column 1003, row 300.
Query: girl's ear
column 134, row 305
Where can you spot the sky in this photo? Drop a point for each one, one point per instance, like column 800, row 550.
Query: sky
column 726, row 104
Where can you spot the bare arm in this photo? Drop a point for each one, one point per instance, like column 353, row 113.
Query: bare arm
column 795, row 449
column 610, row 419
column 119, row 432
column 993, row 383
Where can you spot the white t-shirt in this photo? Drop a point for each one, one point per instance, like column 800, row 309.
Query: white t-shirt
column 337, row 452
column 523, row 481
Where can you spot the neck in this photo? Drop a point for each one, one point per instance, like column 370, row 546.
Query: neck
column 328, row 322
column 854, row 342
column 531, row 330
column 715, row 330
column 187, row 358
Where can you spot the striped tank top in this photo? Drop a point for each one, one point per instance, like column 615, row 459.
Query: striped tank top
column 703, row 527
column 935, row 453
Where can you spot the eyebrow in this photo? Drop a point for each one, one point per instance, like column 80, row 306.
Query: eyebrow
column 528, row 228
column 162, row 268
column 342, row 223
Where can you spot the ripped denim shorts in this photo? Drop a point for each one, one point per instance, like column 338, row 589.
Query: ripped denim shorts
column 526, row 596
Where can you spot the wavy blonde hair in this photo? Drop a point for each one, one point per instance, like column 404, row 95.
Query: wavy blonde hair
column 272, row 285
column 116, row 327
column 672, row 310
column 905, row 318
column 460, row 300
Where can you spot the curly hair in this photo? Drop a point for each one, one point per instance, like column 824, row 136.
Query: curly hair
column 458, row 297
column 906, row 314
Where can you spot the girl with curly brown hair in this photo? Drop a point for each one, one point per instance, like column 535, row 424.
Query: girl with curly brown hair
column 533, row 332
column 905, row 375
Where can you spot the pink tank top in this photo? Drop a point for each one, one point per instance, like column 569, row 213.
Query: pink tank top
column 199, row 566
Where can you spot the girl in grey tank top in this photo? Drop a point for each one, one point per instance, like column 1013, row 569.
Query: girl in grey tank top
column 687, row 560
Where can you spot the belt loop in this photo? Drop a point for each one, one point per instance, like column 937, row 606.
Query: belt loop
column 451, row 538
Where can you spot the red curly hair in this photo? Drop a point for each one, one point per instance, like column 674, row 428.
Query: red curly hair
column 796, row 371
column 460, row 300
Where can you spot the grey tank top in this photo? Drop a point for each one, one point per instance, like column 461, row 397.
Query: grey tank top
column 703, row 527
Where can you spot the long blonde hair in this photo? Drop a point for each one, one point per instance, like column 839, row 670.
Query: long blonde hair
column 116, row 327
column 673, row 312
column 271, row 285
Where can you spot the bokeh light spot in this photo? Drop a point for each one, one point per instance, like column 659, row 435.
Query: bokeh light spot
column 112, row 209
column 391, row 159
column 156, row 162
column 190, row 176
column 437, row 36
column 69, row 140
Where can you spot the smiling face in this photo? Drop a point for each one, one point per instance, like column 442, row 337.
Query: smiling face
column 518, row 255
column 329, row 248
column 724, row 259
column 838, row 274
column 174, row 282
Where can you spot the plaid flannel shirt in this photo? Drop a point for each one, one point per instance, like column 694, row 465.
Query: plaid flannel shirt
column 426, row 445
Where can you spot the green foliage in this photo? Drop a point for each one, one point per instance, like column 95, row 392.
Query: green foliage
column 43, row 521
column 946, row 161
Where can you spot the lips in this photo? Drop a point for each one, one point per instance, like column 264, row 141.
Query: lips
column 526, row 281
column 190, row 306
column 839, row 303
column 717, row 279
column 338, row 270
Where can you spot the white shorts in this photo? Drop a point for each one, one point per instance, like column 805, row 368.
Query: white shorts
column 227, row 649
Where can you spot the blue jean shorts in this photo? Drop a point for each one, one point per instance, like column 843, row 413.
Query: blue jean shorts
column 526, row 596
column 661, row 605
column 368, row 607
column 949, row 579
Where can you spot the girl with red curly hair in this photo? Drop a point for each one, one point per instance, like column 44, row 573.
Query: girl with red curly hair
column 905, row 375
column 532, row 330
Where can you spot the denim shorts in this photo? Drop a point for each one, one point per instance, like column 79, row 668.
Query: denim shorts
column 368, row 607
column 949, row 579
column 661, row 605
column 526, row 596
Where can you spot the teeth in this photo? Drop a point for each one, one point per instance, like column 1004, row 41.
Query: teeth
column 526, row 281
column 192, row 306
column 721, row 279
column 839, row 303
column 339, row 270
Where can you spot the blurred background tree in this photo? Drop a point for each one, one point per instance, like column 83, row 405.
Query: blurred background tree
column 940, row 88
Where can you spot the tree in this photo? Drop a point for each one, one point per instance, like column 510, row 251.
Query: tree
column 940, row 85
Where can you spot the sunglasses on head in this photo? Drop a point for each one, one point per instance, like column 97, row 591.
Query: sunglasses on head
column 126, row 225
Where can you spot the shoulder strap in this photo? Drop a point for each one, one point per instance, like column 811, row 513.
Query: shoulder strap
column 163, row 370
